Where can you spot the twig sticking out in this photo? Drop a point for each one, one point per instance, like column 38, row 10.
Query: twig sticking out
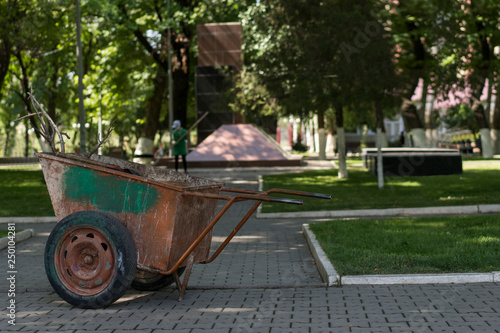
column 45, row 131
column 100, row 142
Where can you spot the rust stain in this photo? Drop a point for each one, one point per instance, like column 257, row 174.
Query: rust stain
column 163, row 223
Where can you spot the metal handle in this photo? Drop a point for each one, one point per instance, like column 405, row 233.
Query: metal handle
column 244, row 196
column 286, row 200
column 279, row 190
column 300, row 193
column 315, row 195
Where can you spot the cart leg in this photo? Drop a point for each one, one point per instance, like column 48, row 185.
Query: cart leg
column 187, row 273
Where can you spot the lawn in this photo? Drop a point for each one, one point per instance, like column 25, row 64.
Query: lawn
column 23, row 193
column 412, row 245
column 479, row 184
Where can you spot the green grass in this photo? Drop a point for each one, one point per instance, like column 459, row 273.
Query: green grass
column 23, row 193
column 479, row 184
column 412, row 245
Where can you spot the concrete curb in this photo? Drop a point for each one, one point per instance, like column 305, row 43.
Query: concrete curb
column 259, row 213
column 35, row 219
column 332, row 278
column 20, row 236
column 456, row 278
column 390, row 212
column 325, row 267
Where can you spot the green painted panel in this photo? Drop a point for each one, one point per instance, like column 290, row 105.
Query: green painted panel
column 108, row 192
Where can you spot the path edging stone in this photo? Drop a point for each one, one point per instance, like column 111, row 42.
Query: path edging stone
column 325, row 267
column 332, row 278
column 20, row 236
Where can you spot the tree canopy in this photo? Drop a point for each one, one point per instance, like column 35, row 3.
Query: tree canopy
column 361, row 58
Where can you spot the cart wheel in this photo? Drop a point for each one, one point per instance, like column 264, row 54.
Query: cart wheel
column 149, row 281
column 90, row 259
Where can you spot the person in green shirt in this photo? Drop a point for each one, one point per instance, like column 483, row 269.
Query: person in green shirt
column 180, row 144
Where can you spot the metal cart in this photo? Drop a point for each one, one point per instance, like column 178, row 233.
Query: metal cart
column 124, row 224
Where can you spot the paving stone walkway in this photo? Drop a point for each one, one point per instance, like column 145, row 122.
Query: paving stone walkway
column 264, row 281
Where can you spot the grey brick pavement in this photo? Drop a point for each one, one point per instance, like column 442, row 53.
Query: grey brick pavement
column 304, row 309
column 264, row 281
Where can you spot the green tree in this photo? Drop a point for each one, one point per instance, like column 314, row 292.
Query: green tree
column 415, row 28
column 33, row 31
column 481, row 27
column 148, row 23
column 449, row 46
column 312, row 57
column 461, row 116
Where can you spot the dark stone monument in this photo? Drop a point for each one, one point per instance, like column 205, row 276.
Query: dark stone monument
column 414, row 161
column 219, row 58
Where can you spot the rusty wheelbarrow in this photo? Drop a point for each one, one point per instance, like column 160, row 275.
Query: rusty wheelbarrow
column 124, row 224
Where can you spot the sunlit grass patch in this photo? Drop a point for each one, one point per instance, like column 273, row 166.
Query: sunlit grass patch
column 412, row 245
column 479, row 184
column 24, row 193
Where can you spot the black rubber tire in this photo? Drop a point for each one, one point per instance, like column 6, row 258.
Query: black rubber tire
column 148, row 281
column 115, row 258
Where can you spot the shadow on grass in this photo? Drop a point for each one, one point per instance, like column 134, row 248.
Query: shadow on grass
column 360, row 191
column 24, row 193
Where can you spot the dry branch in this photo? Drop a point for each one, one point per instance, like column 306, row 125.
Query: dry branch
column 45, row 131
column 100, row 142
column 48, row 132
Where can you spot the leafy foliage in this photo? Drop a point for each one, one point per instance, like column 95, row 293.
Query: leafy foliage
column 461, row 116
column 301, row 57
column 124, row 44
column 311, row 56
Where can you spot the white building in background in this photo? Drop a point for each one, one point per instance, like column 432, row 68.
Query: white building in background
column 291, row 128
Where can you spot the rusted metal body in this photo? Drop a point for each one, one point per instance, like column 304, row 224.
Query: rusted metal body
column 91, row 267
column 162, row 220
column 169, row 215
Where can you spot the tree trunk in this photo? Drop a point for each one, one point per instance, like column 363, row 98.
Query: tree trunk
column 482, row 121
column 27, row 103
column 380, row 161
column 180, row 70
column 413, row 124
column 7, row 140
column 379, row 121
column 154, row 104
column 430, row 126
column 410, row 115
column 339, row 117
column 495, row 127
column 180, row 74
column 5, row 53
column 486, row 146
column 478, row 110
column 52, row 103
column 417, row 67
column 311, row 136
column 321, row 135
column 495, row 140
column 409, row 111
column 418, row 138
column 145, row 145
column 421, row 112
column 331, row 135
column 180, row 92
column 478, row 82
column 26, row 140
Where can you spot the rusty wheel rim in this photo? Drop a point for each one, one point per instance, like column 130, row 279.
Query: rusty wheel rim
column 85, row 261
